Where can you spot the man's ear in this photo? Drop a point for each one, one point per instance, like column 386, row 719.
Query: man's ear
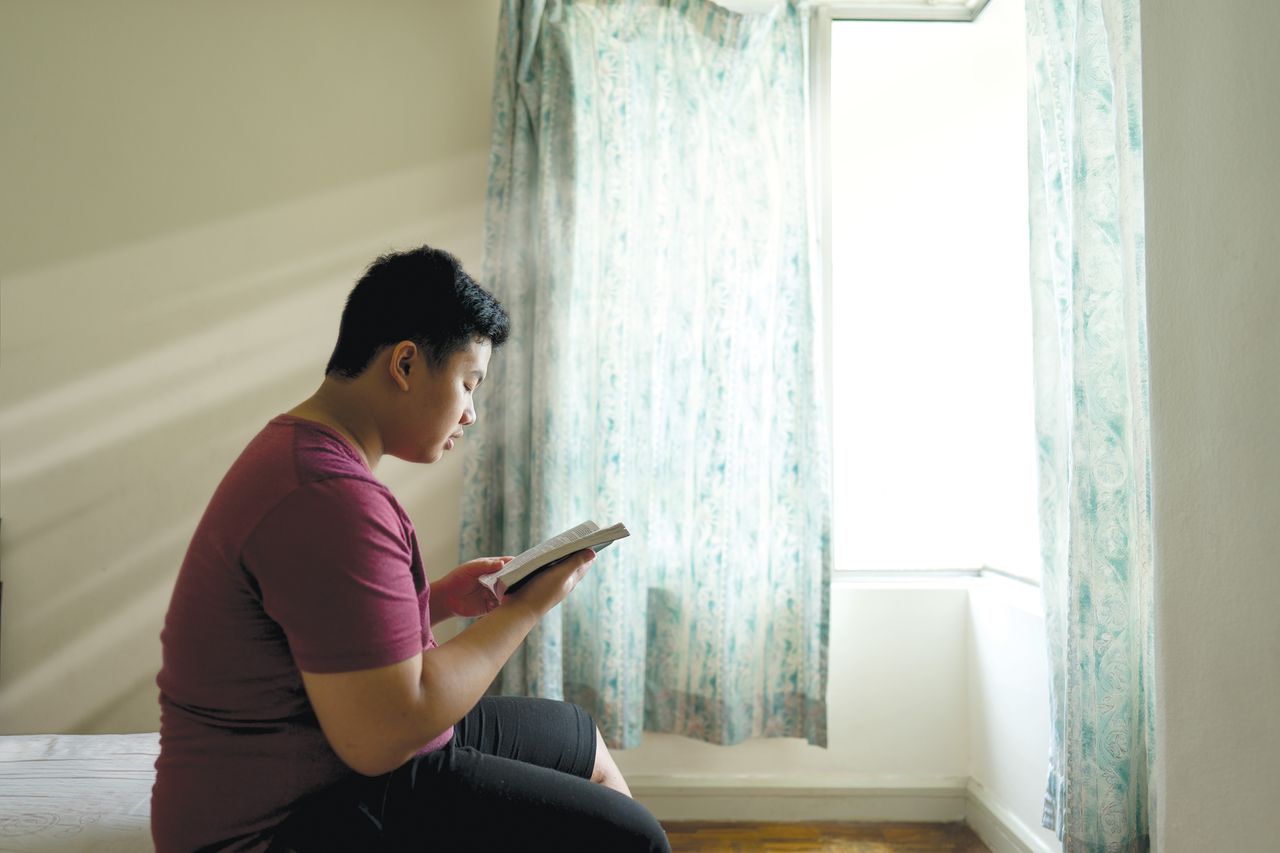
column 401, row 363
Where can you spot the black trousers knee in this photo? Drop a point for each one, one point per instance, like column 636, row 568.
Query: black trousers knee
column 515, row 777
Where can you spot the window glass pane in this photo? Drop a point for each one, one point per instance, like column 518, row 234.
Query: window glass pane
column 931, row 332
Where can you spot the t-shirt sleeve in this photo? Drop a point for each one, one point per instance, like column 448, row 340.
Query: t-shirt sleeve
column 333, row 564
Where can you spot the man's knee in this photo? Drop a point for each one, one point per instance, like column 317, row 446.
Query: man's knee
column 645, row 834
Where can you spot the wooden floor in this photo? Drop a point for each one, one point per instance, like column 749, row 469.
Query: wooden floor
column 697, row 837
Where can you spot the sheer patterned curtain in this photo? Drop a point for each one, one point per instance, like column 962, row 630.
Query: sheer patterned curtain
column 647, row 231
column 1088, row 283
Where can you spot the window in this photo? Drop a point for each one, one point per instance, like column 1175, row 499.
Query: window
column 929, row 305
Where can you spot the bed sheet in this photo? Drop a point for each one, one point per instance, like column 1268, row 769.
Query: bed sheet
column 77, row 792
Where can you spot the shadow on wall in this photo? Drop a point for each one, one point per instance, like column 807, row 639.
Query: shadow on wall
column 130, row 380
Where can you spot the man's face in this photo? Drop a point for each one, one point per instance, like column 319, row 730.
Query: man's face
column 443, row 401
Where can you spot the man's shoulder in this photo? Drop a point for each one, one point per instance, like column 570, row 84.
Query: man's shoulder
column 287, row 462
column 318, row 452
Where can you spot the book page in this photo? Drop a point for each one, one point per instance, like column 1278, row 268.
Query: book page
column 533, row 554
column 585, row 535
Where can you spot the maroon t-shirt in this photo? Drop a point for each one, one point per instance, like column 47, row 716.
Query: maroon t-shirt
column 303, row 560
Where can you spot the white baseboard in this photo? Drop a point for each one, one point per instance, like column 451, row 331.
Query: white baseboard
column 999, row 828
column 925, row 800
column 931, row 800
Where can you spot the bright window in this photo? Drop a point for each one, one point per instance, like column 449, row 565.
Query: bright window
column 934, row 441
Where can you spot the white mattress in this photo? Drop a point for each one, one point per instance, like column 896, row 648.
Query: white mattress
column 77, row 792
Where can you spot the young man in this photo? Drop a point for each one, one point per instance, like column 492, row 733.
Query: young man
column 305, row 704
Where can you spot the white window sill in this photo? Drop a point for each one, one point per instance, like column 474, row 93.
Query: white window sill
column 987, row 585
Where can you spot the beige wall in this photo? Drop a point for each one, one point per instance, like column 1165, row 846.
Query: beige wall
column 188, row 192
column 1211, row 81
column 137, row 118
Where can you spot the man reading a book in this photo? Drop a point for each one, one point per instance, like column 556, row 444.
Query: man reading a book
column 305, row 704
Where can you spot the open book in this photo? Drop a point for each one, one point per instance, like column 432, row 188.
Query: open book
column 586, row 535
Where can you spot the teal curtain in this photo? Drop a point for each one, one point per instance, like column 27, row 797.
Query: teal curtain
column 1088, row 280
column 647, row 229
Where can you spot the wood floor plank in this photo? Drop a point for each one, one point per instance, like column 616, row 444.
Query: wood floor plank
column 821, row 837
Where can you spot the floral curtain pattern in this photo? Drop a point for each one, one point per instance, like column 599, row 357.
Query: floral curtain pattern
column 646, row 228
column 1088, row 281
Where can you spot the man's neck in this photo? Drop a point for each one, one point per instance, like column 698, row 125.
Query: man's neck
column 339, row 404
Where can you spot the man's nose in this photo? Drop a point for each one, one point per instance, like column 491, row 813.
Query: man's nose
column 469, row 416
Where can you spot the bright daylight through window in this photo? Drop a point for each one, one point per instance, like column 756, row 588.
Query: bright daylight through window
column 933, row 418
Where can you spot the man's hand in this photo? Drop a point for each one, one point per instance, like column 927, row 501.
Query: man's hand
column 459, row 593
column 549, row 586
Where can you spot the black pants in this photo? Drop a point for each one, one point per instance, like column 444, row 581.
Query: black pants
column 516, row 777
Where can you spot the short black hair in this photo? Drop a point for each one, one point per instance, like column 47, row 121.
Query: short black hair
column 421, row 295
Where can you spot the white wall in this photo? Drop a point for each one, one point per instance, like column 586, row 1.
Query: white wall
column 1211, row 88
column 897, row 692
column 938, row 696
column 189, row 192
column 1008, row 682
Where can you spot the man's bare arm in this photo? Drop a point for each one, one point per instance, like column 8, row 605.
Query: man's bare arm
column 376, row 719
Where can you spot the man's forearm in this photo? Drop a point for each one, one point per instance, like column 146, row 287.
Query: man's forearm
column 456, row 674
column 376, row 719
